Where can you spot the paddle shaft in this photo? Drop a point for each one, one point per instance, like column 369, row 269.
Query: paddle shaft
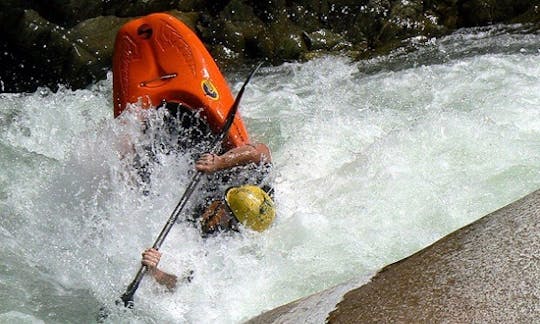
column 127, row 297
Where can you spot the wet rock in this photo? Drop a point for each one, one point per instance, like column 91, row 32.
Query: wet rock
column 269, row 11
column 403, row 21
column 486, row 272
column 308, row 19
column 96, row 36
column 484, row 12
column 192, row 5
column 235, row 31
column 41, row 47
column 190, row 18
column 323, row 39
column 287, row 42
column 445, row 11
column 238, row 11
column 532, row 15
column 133, row 8
column 323, row 42
column 93, row 45
column 50, row 54
column 67, row 13
column 360, row 22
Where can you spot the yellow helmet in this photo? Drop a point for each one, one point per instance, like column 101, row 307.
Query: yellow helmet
column 252, row 206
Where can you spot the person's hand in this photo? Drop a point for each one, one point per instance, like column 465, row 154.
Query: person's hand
column 150, row 258
column 209, row 163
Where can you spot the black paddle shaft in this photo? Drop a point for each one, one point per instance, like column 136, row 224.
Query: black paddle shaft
column 127, row 297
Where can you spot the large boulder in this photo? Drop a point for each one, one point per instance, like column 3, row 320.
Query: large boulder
column 49, row 55
column 486, row 272
column 67, row 13
column 41, row 49
column 484, row 12
column 134, row 8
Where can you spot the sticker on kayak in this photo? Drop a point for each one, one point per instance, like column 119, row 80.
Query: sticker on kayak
column 209, row 89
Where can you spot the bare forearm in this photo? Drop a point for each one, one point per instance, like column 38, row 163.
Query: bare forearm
column 256, row 153
column 164, row 278
column 250, row 153
column 150, row 259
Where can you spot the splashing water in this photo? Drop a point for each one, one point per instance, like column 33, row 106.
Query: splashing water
column 374, row 161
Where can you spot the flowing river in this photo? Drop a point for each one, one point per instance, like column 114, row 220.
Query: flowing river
column 374, row 160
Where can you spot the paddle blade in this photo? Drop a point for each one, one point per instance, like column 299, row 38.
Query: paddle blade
column 103, row 314
column 126, row 299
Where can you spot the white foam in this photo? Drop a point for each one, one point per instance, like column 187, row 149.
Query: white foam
column 371, row 167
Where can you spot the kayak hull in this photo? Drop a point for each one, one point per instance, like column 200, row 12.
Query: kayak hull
column 158, row 58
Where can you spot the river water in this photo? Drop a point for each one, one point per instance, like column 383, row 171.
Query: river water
column 373, row 161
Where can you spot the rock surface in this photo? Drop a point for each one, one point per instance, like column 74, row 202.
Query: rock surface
column 69, row 42
column 486, row 272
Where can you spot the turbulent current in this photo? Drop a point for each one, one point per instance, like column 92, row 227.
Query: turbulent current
column 373, row 161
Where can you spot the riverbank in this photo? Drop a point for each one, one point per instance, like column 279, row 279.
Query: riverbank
column 71, row 43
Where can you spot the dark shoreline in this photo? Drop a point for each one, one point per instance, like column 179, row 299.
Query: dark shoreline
column 71, row 42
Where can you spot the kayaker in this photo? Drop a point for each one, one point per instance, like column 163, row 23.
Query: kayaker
column 159, row 62
column 248, row 164
column 247, row 205
column 185, row 131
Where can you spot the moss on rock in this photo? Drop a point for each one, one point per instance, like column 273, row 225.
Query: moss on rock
column 38, row 34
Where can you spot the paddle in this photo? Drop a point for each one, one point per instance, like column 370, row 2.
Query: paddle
column 127, row 297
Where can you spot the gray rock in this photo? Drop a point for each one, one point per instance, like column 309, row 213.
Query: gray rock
column 486, row 272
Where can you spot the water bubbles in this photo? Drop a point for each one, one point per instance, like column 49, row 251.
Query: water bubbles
column 229, row 52
column 44, row 92
column 432, row 18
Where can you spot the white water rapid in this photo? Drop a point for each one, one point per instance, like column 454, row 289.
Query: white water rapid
column 373, row 161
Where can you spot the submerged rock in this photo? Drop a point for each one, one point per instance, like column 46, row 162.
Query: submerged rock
column 323, row 39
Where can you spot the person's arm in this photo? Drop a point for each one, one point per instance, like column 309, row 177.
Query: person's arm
column 150, row 258
column 250, row 153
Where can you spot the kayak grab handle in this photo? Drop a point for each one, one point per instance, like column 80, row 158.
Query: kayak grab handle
column 163, row 77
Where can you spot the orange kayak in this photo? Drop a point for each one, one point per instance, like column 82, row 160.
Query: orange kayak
column 158, row 58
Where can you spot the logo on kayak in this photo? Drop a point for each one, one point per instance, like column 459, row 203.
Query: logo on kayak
column 209, row 89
